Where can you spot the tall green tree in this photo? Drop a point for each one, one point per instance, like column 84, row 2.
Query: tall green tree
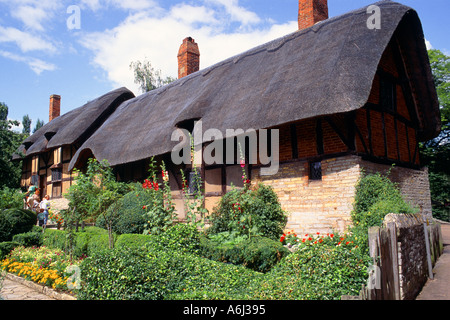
column 436, row 153
column 26, row 123
column 148, row 77
column 10, row 141
column 39, row 123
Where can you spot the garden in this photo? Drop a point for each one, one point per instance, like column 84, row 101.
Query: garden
column 138, row 251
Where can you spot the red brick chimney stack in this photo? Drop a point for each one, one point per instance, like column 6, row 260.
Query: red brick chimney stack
column 188, row 58
column 55, row 107
column 310, row 12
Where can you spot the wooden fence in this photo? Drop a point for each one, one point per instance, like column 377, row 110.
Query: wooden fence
column 404, row 251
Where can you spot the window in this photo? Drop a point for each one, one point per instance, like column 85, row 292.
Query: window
column 315, row 171
column 35, row 180
column 56, row 174
column 195, row 181
column 387, row 95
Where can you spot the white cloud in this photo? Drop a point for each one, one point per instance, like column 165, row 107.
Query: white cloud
column 157, row 38
column 25, row 41
column 136, row 5
column 32, row 17
column 238, row 13
column 37, row 65
column 428, row 44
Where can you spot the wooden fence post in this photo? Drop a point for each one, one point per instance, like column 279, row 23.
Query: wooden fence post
column 374, row 292
column 394, row 255
column 427, row 246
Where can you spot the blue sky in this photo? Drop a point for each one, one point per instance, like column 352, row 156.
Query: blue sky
column 40, row 54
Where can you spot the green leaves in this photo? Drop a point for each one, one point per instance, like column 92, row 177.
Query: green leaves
column 249, row 212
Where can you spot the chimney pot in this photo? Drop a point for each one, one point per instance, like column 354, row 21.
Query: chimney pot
column 310, row 12
column 188, row 58
column 55, row 107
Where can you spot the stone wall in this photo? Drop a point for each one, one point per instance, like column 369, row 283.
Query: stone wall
column 316, row 206
column 325, row 205
column 413, row 184
column 413, row 258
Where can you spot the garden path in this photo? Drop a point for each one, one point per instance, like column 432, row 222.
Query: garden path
column 17, row 288
column 439, row 287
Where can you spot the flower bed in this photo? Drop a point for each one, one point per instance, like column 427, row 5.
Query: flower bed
column 42, row 265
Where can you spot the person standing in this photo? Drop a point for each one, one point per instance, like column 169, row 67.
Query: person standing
column 45, row 205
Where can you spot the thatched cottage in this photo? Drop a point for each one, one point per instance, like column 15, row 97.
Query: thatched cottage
column 344, row 94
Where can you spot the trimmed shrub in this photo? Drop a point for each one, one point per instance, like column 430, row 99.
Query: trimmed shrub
column 134, row 274
column 134, row 241
column 29, row 239
column 258, row 253
column 53, row 238
column 123, row 274
column 15, row 221
column 130, row 217
column 375, row 197
column 250, row 211
column 7, row 247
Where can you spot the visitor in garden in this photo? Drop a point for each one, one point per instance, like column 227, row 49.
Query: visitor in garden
column 28, row 197
column 45, row 206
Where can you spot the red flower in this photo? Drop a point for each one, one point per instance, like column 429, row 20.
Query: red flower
column 144, row 207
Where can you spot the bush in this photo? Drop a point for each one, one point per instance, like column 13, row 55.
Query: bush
column 11, row 198
column 86, row 242
column 258, row 253
column 122, row 274
column 130, row 213
column 180, row 237
column 134, row 274
column 376, row 196
column 249, row 212
column 14, row 221
column 137, row 241
column 29, row 239
column 6, row 248
column 321, row 269
column 56, row 239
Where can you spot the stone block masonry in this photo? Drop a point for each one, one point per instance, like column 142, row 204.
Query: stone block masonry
column 326, row 205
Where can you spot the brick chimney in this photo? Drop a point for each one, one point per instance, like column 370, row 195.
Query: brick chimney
column 55, row 107
column 188, row 58
column 310, row 12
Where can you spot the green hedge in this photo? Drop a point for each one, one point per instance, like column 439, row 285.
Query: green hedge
column 258, row 253
column 6, row 247
column 135, row 274
column 29, row 239
column 15, row 221
column 87, row 242
column 130, row 216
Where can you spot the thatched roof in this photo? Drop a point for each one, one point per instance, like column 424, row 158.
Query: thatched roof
column 326, row 69
column 75, row 126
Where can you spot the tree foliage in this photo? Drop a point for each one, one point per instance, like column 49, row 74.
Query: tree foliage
column 436, row 153
column 93, row 193
column 10, row 141
column 147, row 77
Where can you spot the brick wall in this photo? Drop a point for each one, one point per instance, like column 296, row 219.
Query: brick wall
column 315, row 206
column 326, row 205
